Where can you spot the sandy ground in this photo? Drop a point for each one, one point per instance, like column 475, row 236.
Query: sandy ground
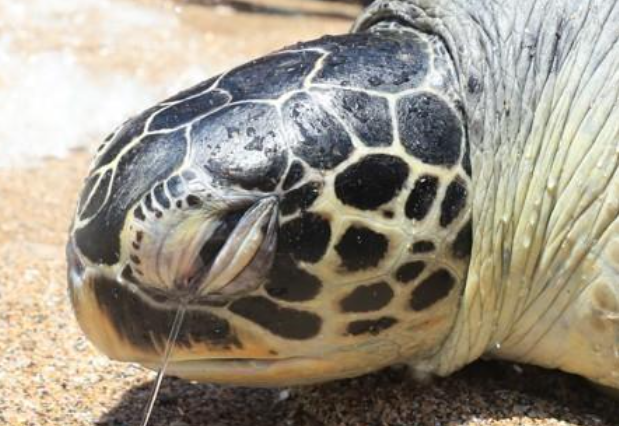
column 50, row 375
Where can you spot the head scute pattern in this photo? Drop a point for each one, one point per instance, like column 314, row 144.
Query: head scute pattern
column 354, row 149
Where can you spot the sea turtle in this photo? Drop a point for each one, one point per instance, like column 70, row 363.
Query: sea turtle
column 440, row 184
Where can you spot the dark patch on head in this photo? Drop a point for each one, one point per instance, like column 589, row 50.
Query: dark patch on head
column 161, row 196
column 130, row 130
column 138, row 239
column 175, row 185
column 388, row 214
column 139, row 213
column 466, row 160
column 189, row 175
column 421, row 197
column 372, row 327
column 223, row 145
column 409, row 271
column 318, row 138
column 429, row 129
column 300, row 199
column 287, row 281
column 423, row 247
column 107, row 139
column 473, row 85
column 385, row 62
column 153, row 159
column 434, row 288
column 193, row 200
column 188, row 110
column 127, row 274
column 147, row 327
column 454, row 202
column 368, row 298
column 306, row 238
column 361, row 248
column 98, row 197
column 295, row 174
column 367, row 115
column 148, row 203
column 283, row 322
column 269, row 77
column 372, row 181
column 463, row 243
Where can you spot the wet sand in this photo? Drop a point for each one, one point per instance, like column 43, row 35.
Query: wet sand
column 50, row 375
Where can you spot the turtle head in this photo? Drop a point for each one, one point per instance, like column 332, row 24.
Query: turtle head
column 309, row 208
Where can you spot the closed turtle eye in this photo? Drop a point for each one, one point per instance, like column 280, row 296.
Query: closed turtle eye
column 194, row 252
column 247, row 253
column 215, row 243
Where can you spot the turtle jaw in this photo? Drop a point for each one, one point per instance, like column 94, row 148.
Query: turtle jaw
column 229, row 266
column 131, row 323
column 213, row 345
column 256, row 372
column 292, row 371
column 234, row 356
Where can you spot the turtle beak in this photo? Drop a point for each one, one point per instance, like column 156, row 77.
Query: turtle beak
column 87, row 314
column 129, row 323
column 129, row 320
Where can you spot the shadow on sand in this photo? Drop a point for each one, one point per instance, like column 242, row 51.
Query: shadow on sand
column 482, row 391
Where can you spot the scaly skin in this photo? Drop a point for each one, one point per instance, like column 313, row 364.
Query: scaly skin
column 541, row 87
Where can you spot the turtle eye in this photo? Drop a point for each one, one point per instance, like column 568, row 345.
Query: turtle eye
column 237, row 259
column 198, row 251
column 215, row 243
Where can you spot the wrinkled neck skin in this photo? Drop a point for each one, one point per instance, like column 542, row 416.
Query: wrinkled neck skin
column 540, row 82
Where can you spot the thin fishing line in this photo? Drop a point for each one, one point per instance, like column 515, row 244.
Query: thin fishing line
column 174, row 331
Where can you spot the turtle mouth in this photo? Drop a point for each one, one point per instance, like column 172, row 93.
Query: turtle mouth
column 252, row 371
column 238, row 365
column 292, row 370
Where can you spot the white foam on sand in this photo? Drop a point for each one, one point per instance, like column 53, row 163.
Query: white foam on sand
column 71, row 70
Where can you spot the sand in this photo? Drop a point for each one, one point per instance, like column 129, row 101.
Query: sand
column 50, row 375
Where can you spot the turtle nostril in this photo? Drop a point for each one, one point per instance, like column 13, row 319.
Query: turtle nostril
column 76, row 267
column 76, row 271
